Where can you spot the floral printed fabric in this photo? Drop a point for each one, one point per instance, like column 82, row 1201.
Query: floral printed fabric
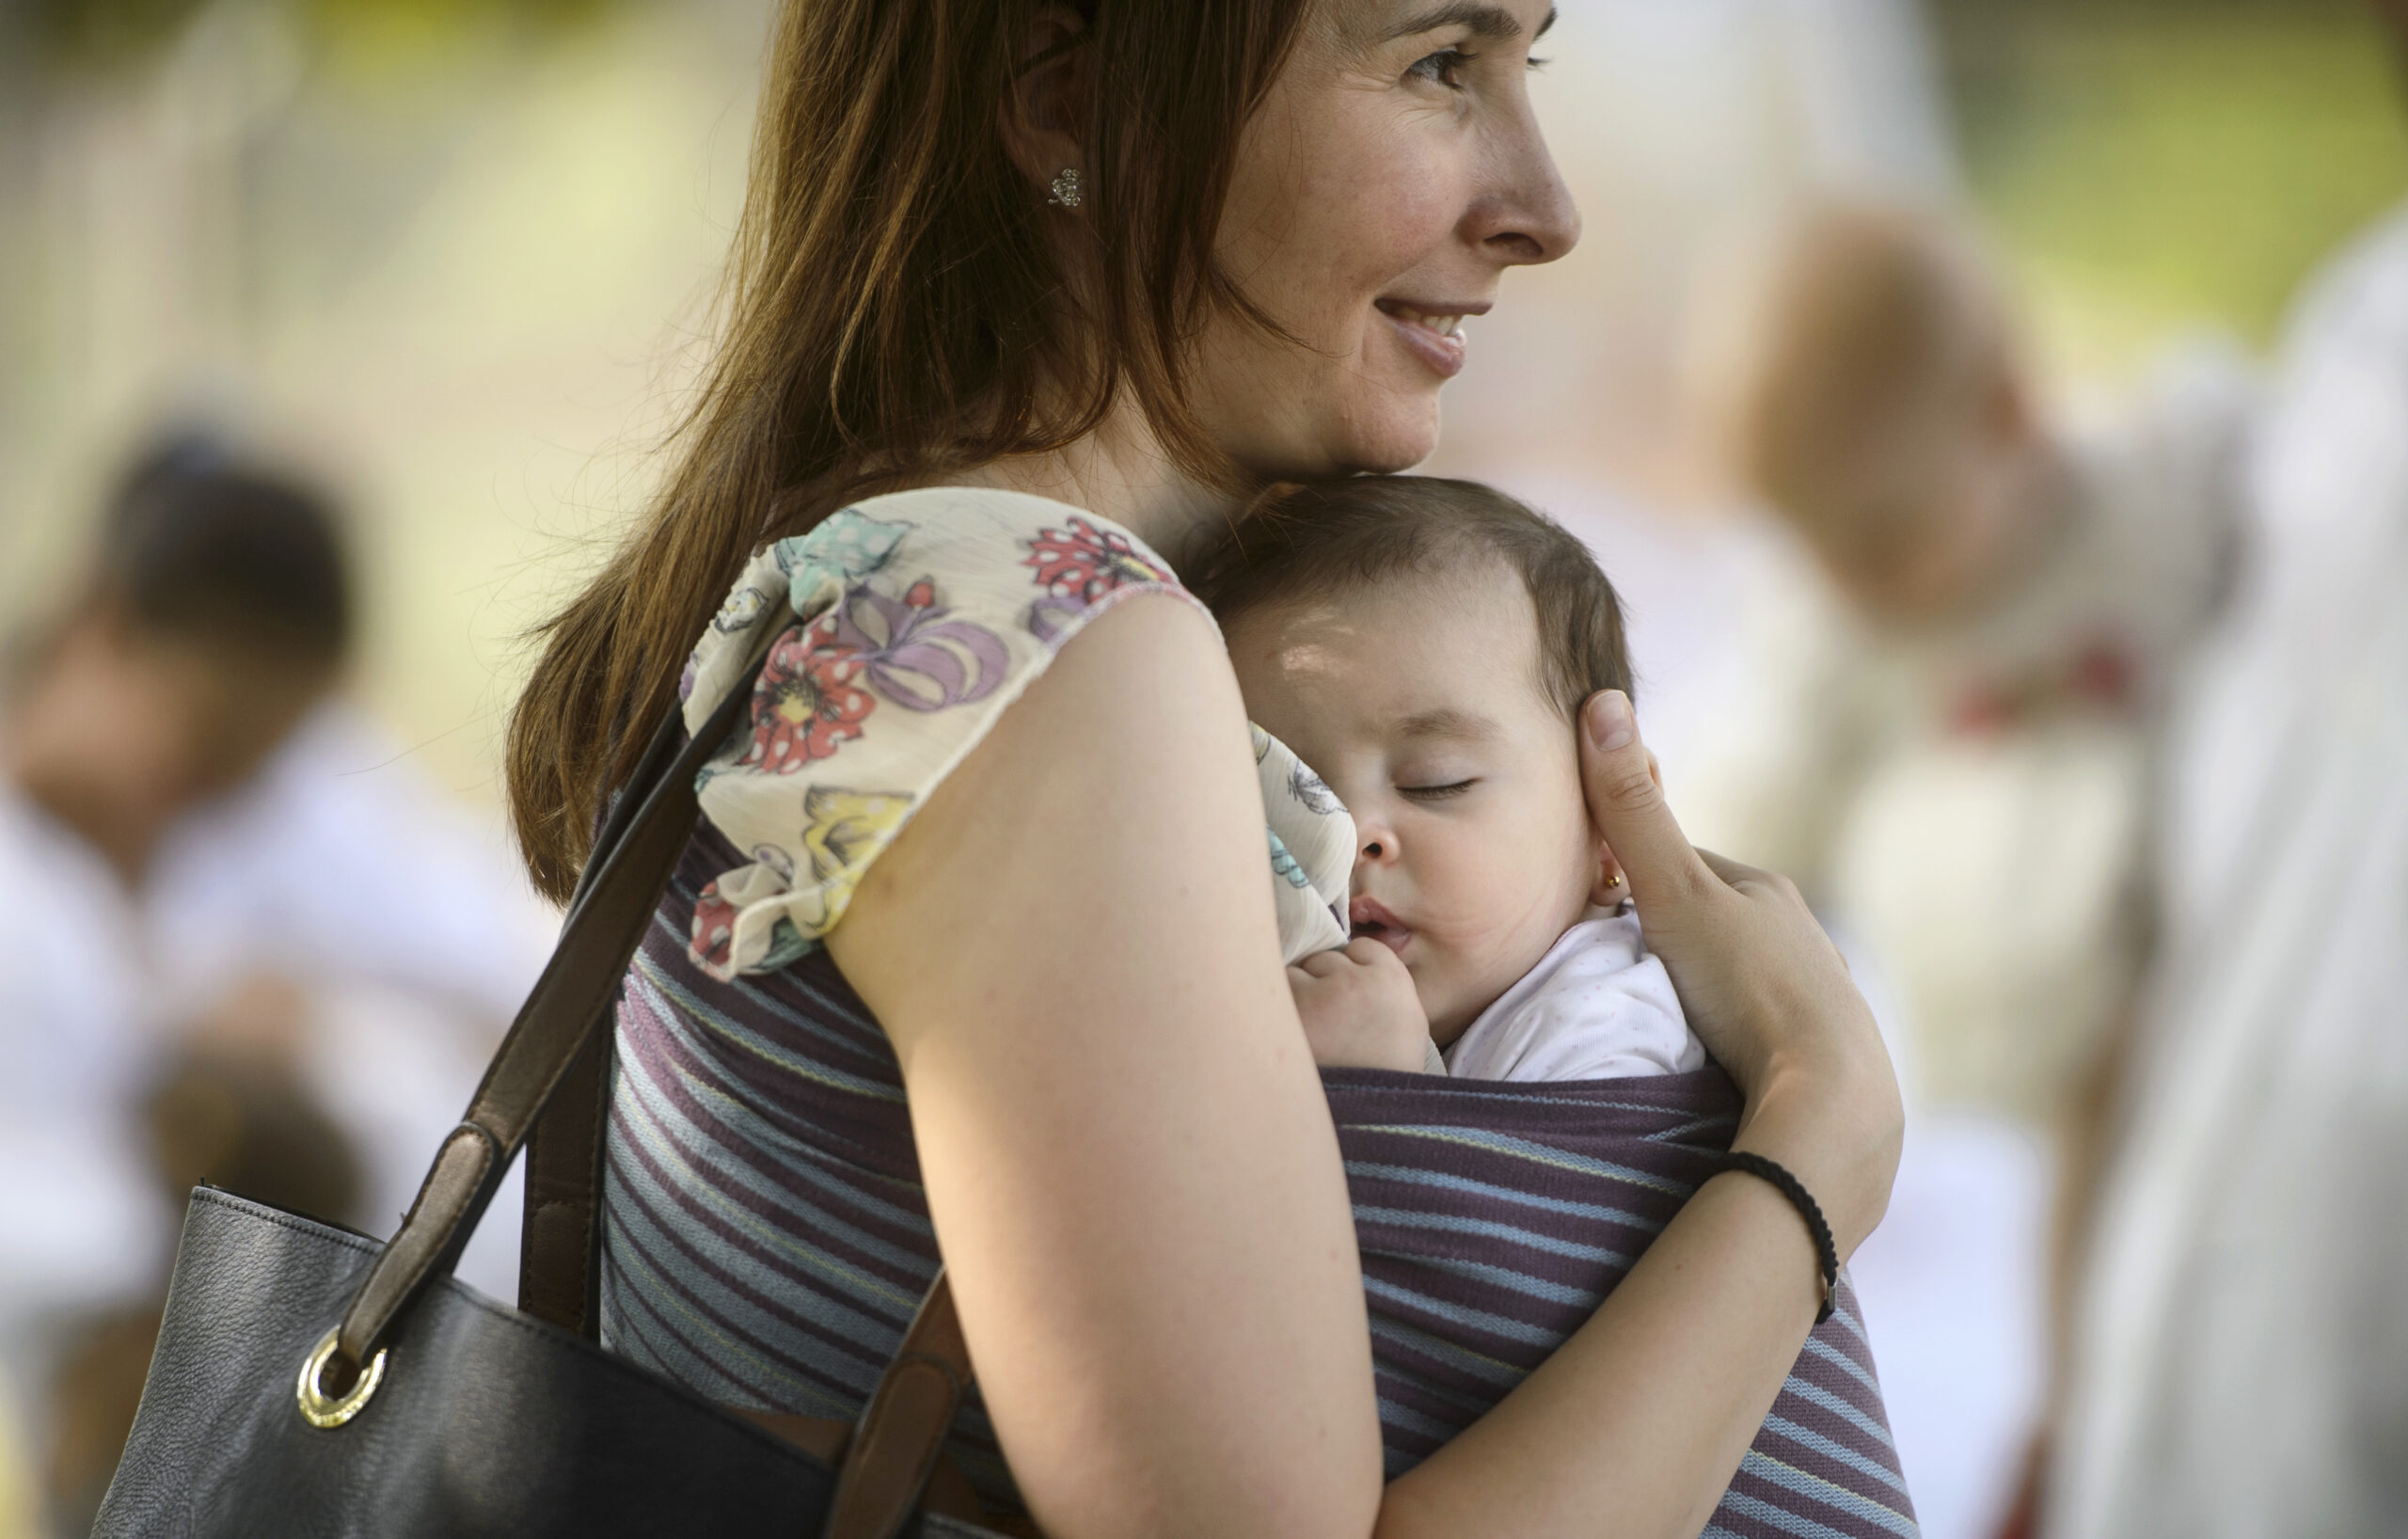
column 921, row 616
column 1312, row 849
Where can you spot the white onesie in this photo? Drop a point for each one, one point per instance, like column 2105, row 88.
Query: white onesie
column 1599, row 1006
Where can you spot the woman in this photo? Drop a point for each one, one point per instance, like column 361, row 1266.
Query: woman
column 1134, row 258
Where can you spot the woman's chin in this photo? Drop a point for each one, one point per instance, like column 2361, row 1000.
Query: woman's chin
column 1395, row 436
column 1393, row 442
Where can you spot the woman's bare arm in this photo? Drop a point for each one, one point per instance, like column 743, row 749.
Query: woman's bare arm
column 1127, row 1154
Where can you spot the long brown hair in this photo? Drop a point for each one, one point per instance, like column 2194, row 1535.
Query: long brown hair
column 895, row 311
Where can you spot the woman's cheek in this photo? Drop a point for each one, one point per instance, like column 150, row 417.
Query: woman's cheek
column 1378, row 197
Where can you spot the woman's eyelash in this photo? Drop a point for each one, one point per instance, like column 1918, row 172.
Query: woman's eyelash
column 1438, row 793
column 1439, row 68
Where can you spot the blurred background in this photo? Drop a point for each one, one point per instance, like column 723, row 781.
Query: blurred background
column 443, row 270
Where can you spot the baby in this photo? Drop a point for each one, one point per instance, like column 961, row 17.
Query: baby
column 1425, row 646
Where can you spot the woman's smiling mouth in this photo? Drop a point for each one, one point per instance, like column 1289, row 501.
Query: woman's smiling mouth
column 1431, row 330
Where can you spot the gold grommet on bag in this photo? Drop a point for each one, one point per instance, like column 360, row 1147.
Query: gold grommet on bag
column 320, row 1410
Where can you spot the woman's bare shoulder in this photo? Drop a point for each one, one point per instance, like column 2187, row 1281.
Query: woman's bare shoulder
column 923, row 621
column 1117, row 794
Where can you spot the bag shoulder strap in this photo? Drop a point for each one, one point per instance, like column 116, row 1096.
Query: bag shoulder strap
column 893, row 1448
column 560, row 1043
column 571, row 1001
column 902, row 1430
column 559, row 1238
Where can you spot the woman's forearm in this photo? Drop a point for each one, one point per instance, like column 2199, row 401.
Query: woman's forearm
column 1635, row 1425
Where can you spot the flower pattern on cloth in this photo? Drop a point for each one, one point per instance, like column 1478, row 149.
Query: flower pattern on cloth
column 1080, row 564
column 919, row 618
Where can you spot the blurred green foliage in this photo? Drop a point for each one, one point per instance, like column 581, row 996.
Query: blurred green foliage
column 103, row 34
column 2155, row 164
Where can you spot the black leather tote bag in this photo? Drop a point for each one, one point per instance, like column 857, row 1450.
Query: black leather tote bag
column 470, row 1418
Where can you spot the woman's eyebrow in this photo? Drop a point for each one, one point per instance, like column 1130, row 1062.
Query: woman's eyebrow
column 1481, row 19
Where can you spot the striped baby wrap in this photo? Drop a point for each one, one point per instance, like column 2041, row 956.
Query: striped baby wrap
column 766, row 1237
column 1494, row 1217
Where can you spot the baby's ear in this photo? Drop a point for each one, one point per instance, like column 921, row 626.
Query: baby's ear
column 1609, row 888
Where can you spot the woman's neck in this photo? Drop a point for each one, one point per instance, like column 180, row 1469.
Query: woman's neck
column 1120, row 471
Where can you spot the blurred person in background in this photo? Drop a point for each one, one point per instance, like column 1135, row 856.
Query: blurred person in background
column 2016, row 598
column 200, row 878
column 2241, row 1349
column 216, row 616
column 1961, row 769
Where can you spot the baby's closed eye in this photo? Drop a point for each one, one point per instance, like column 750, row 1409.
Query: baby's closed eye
column 1438, row 793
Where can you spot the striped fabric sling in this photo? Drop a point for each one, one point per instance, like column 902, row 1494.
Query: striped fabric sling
column 766, row 1237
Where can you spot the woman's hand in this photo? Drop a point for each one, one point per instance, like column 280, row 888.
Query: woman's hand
column 1762, row 986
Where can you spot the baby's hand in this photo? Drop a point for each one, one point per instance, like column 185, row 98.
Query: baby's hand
column 1359, row 1009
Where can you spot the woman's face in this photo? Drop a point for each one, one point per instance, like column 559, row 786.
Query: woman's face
column 1392, row 174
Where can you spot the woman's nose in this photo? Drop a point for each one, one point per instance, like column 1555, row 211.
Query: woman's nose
column 1530, row 217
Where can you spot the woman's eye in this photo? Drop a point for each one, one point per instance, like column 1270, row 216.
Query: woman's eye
column 1436, row 793
column 1443, row 68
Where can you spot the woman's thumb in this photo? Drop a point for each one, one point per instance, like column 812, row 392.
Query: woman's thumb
column 1628, row 806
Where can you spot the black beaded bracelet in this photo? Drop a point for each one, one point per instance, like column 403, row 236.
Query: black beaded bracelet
column 1827, row 1253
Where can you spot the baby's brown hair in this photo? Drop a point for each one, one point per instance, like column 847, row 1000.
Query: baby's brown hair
column 1333, row 538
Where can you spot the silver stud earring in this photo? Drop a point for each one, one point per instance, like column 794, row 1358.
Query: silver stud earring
column 1066, row 189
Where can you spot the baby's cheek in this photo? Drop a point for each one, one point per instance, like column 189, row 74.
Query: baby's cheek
column 1495, row 930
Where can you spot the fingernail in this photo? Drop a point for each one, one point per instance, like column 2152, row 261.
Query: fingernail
column 1611, row 726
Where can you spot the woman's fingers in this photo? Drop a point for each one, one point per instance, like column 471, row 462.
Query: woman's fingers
column 1735, row 874
column 1731, row 871
column 1629, row 805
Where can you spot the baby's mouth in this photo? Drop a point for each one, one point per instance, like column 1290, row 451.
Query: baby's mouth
column 1369, row 919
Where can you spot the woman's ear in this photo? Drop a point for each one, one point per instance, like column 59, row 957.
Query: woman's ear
column 1044, row 108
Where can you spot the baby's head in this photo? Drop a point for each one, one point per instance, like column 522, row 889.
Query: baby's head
column 1863, row 381
column 1425, row 646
